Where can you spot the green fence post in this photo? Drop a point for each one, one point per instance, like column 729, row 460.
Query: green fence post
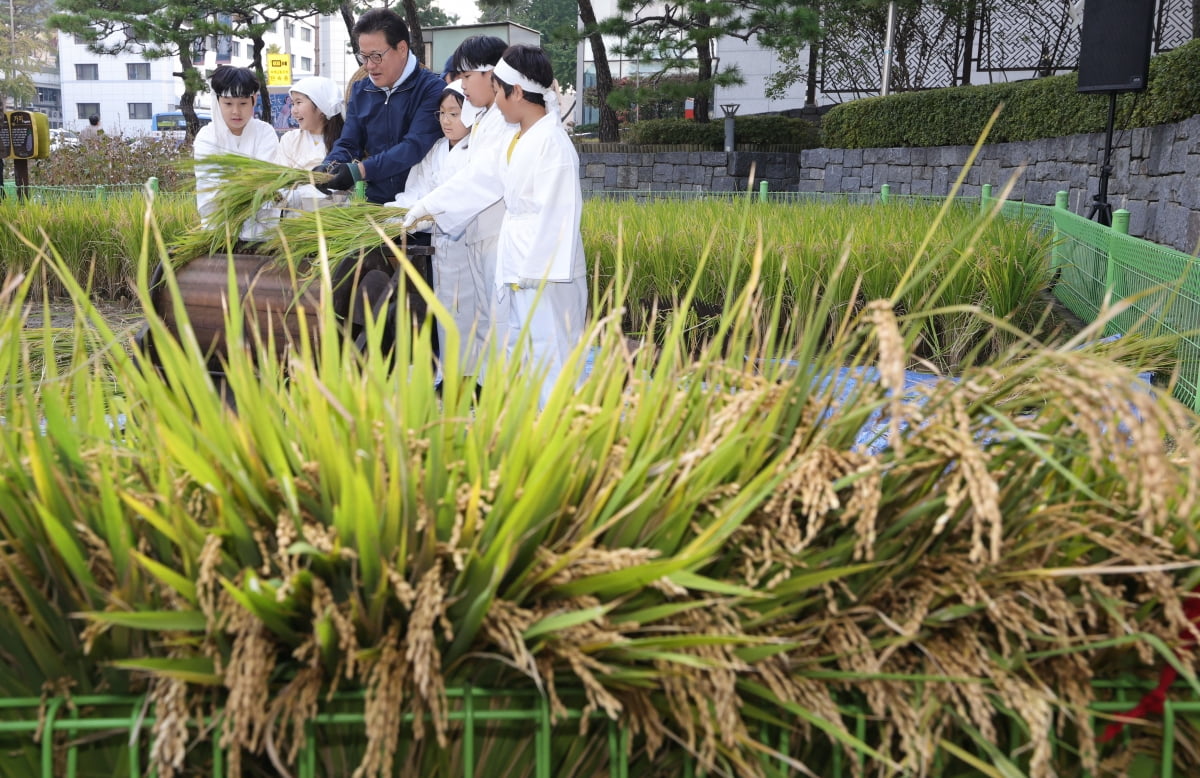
column 762, row 191
column 360, row 191
column 1061, row 200
column 100, row 193
column 884, row 191
column 985, row 195
column 10, row 188
column 1120, row 226
column 468, row 743
column 152, row 184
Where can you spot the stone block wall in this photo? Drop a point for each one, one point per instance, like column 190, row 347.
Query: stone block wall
column 687, row 171
column 1155, row 174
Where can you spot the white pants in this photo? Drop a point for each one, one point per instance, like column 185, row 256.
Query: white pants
column 479, row 314
column 553, row 320
column 454, row 288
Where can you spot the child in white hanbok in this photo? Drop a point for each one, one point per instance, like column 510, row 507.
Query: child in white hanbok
column 470, row 201
column 318, row 107
column 541, row 278
column 233, row 130
column 452, row 278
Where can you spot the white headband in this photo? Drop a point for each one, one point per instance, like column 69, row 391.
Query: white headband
column 480, row 69
column 510, row 75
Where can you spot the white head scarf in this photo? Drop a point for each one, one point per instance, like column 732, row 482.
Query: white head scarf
column 469, row 112
column 510, row 75
column 324, row 94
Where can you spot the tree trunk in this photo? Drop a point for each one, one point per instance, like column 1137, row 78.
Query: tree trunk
column 969, row 43
column 704, row 73
column 347, row 11
column 187, row 101
column 416, row 40
column 609, row 131
column 256, row 64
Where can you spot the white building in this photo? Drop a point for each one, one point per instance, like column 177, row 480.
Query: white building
column 126, row 90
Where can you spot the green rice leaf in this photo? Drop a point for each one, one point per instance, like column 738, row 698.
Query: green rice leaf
column 197, row 669
column 563, row 621
column 155, row 621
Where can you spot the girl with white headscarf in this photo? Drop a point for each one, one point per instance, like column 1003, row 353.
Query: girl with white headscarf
column 318, row 108
column 233, row 130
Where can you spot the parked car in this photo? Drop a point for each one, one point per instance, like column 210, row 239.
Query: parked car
column 60, row 137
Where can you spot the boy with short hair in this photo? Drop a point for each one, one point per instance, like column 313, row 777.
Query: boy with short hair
column 540, row 274
column 233, row 130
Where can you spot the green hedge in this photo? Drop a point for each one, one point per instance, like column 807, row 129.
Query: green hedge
column 1041, row 108
column 771, row 130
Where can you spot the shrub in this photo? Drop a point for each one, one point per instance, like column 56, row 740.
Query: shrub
column 1042, row 108
column 765, row 130
column 115, row 159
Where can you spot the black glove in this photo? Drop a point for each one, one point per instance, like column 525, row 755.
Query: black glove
column 323, row 167
column 342, row 179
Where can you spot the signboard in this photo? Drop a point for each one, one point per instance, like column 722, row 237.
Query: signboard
column 25, row 135
column 279, row 70
column 224, row 41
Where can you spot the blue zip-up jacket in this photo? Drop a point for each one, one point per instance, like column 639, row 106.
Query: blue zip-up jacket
column 390, row 131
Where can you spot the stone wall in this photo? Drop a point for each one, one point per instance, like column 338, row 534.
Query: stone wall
column 686, row 171
column 1155, row 176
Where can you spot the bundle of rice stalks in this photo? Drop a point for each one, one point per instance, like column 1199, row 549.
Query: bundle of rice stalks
column 761, row 556
column 341, row 231
column 247, row 187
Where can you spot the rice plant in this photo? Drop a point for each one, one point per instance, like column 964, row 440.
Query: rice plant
column 764, row 553
column 98, row 240
column 803, row 244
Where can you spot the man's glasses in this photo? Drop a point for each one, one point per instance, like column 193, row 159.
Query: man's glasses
column 374, row 57
column 446, row 116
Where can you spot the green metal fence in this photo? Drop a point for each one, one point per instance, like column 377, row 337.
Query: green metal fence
column 1095, row 265
column 111, row 735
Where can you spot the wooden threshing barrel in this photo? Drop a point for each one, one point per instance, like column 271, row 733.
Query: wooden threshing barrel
column 270, row 302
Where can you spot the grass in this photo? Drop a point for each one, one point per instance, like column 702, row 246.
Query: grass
column 696, row 540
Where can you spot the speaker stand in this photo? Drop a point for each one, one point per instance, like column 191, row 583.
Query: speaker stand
column 1101, row 209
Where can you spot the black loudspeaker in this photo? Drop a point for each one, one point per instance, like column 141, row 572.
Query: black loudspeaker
column 1114, row 45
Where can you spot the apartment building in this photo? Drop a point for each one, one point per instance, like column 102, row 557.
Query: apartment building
column 127, row 90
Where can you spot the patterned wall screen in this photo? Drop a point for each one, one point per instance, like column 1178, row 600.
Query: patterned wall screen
column 1007, row 40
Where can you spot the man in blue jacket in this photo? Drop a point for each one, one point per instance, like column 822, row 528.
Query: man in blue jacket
column 391, row 116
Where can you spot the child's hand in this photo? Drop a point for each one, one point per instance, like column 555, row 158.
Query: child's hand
column 417, row 213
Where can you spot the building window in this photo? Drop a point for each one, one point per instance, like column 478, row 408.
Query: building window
column 138, row 71
column 306, row 64
column 235, row 49
column 140, row 111
column 306, row 33
column 87, row 72
column 291, row 31
column 84, row 110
